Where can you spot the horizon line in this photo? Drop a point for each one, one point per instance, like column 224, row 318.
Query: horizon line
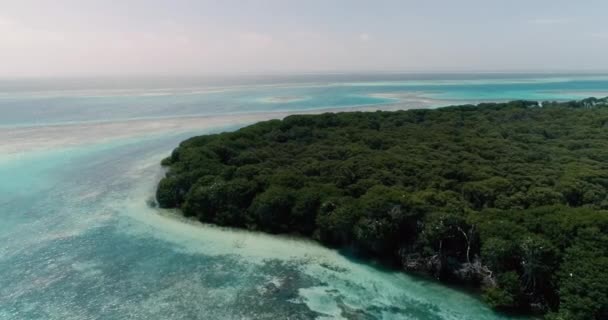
column 304, row 73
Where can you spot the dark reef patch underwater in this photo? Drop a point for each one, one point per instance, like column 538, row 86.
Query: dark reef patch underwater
column 508, row 197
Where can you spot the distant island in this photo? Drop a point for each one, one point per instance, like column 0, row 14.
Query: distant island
column 507, row 197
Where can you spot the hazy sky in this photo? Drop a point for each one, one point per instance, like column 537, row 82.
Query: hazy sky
column 88, row 37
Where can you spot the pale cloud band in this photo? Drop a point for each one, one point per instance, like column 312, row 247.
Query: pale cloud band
column 68, row 37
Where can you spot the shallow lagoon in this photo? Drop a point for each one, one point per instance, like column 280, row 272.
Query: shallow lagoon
column 78, row 240
column 59, row 102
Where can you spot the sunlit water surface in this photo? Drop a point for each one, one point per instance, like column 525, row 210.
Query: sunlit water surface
column 78, row 240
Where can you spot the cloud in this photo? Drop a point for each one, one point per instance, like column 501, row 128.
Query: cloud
column 364, row 37
column 254, row 40
column 5, row 22
column 599, row 35
column 549, row 21
column 14, row 35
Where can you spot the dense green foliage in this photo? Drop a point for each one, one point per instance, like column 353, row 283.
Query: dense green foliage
column 509, row 197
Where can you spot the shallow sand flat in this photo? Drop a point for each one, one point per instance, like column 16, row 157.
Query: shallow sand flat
column 580, row 94
column 26, row 139
column 283, row 99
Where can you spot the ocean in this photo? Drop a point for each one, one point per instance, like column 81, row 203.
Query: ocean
column 79, row 162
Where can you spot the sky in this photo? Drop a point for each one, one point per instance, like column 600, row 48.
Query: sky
column 199, row 37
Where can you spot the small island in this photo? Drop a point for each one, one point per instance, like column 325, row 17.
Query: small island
column 511, row 198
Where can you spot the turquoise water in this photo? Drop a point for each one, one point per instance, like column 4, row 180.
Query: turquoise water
column 78, row 240
column 41, row 105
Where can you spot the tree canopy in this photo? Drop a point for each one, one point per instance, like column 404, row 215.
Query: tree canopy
column 510, row 197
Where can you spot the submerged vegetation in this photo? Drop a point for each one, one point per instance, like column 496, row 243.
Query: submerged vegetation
column 509, row 197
